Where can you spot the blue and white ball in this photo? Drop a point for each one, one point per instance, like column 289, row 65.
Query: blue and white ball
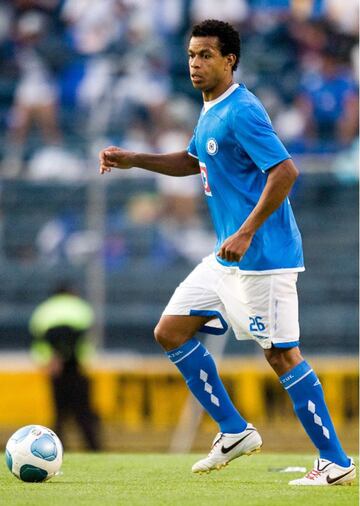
column 34, row 453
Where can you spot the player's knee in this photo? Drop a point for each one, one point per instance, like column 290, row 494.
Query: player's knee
column 164, row 337
column 167, row 337
column 282, row 360
column 273, row 358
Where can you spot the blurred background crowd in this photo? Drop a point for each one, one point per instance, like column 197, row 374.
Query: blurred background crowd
column 76, row 74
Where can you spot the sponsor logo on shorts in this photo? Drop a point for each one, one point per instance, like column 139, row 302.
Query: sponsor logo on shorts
column 260, row 337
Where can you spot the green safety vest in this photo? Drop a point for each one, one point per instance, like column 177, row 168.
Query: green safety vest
column 58, row 311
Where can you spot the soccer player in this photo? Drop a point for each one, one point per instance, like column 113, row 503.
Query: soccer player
column 250, row 279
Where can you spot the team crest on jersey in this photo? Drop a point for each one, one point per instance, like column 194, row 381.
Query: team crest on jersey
column 212, row 146
column 205, row 179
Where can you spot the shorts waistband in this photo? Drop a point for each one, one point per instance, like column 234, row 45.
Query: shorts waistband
column 211, row 259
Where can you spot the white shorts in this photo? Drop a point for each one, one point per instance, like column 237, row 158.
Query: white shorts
column 259, row 307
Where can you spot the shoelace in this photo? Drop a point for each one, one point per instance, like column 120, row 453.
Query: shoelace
column 313, row 474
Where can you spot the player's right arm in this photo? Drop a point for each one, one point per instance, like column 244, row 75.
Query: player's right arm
column 172, row 164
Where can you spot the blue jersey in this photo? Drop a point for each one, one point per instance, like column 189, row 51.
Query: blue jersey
column 236, row 145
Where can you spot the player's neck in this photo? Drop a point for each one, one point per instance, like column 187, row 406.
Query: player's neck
column 213, row 94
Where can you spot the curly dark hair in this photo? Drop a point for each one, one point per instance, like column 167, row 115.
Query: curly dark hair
column 229, row 38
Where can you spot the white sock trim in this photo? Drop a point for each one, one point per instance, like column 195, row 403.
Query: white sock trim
column 299, row 379
column 187, row 354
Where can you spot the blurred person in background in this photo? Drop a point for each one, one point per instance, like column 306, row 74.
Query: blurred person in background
column 36, row 94
column 319, row 115
column 233, row 11
column 180, row 222
column 329, row 102
column 347, row 19
column 59, row 327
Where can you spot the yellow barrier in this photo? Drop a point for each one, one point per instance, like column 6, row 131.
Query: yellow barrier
column 133, row 396
column 25, row 398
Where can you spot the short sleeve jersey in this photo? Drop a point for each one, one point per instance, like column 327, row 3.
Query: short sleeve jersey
column 236, row 145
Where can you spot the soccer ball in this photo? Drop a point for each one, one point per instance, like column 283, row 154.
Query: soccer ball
column 34, row 453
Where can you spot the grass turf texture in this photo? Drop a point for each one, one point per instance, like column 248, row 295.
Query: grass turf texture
column 157, row 479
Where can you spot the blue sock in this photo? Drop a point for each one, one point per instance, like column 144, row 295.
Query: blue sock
column 199, row 370
column 306, row 393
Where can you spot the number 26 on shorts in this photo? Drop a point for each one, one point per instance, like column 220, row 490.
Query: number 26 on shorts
column 256, row 324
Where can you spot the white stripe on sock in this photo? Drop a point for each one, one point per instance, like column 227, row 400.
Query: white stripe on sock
column 188, row 353
column 299, row 379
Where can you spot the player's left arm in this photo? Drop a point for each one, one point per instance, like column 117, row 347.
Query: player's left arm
column 279, row 183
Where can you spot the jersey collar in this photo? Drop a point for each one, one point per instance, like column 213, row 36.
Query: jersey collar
column 208, row 105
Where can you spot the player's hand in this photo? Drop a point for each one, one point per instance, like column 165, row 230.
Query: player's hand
column 235, row 246
column 115, row 158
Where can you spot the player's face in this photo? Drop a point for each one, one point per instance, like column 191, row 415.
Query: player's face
column 209, row 69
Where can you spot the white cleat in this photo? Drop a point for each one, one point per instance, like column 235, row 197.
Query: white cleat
column 227, row 447
column 328, row 473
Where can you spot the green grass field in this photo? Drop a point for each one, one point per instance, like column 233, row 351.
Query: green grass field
column 157, row 479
